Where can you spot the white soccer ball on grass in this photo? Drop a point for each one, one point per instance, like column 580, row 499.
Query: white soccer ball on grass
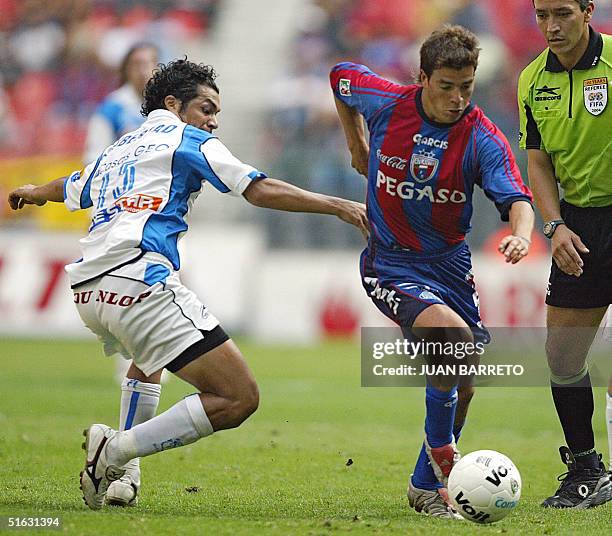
column 484, row 486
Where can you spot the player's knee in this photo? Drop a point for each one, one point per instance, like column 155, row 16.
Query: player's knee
column 465, row 394
column 564, row 361
column 563, row 368
column 244, row 405
column 251, row 400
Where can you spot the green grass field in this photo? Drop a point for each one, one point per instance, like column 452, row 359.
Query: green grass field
column 285, row 470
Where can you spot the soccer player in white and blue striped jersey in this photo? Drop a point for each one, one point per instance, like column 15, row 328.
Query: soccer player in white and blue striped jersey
column 127, row 288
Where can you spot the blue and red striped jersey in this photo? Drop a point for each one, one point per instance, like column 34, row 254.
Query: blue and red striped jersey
column 421, row 174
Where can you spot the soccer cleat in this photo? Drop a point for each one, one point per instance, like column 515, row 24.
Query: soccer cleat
column 433, row 503
column 580, row 487
column 442, row 460
column 97, row 474
column 122, row 492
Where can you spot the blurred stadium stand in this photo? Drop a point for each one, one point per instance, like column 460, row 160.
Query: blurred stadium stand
column 58, row 59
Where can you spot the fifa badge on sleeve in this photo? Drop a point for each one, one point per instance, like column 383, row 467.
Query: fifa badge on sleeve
column 344, row 87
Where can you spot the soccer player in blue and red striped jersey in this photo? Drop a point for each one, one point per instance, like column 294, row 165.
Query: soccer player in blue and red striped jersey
column 428, row 147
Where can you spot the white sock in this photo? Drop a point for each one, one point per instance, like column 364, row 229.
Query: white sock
column 609, row 422
column 139, row 401
column 182, row 424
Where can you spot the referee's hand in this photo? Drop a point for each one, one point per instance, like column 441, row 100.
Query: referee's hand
column 566, row 249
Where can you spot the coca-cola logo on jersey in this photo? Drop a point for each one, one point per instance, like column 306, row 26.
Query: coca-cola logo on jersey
column 394, row 162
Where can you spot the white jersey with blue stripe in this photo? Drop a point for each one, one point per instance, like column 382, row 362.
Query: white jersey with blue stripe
column 141, row 190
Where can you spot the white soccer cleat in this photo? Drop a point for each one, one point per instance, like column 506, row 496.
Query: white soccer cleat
column 433, row 503
column 122, row 492
column 97, row 474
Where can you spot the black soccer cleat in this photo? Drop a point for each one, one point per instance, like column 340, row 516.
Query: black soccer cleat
column 580, row 487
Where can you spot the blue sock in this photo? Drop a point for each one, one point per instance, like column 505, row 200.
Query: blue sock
column 440, row 416
column 441, row 407
column 423, row 476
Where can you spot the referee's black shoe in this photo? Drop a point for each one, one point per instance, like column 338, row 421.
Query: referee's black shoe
column 580, row 487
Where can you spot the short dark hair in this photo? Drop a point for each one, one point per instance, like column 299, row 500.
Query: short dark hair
column 179, row 78
column 451, row 46
column 128, row 55
column 582, row 3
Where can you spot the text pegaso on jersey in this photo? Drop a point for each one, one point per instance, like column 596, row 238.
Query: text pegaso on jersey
column 407, row 190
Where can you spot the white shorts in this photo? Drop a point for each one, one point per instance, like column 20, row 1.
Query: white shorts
column 151, row 323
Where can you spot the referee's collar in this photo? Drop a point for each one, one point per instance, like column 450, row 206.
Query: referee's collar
column 589, row 59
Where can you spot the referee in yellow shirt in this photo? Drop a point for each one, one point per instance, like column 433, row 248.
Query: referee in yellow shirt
column 566, row 127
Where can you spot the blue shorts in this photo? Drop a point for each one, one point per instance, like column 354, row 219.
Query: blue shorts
column 403, row 284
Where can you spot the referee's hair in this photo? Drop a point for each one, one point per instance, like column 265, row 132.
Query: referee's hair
column 179, row 78
column 582, row 3
column 451, row 46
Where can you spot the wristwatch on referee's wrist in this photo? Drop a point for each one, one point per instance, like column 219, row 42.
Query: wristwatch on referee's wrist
column 550, row 227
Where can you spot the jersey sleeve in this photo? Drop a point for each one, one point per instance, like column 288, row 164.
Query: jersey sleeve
column 226, row 172
column 77, row 187
column 500, row 176
column 360, row 88
column 529, row 135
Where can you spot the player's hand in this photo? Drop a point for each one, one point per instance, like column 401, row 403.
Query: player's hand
column 514, row 248
column 355, row 214
column 25, row 195
column 566, row 250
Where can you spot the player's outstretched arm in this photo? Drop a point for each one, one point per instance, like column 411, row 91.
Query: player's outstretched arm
column 566, row 245
column 280, row 195
column 516, row 246
column 29, row 194
column 354, row 132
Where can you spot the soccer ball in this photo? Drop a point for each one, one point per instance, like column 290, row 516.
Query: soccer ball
column 484, row 486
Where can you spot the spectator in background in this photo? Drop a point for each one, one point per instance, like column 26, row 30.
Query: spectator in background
column 118, row 114
column 120, row 111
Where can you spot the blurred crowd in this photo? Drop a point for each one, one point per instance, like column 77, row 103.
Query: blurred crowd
column 386, row 36
column 59, row 58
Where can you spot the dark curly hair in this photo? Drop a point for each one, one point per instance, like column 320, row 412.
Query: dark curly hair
column 179, row 78
column 451, row 46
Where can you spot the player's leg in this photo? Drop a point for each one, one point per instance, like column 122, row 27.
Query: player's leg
column 433, row 324
column 403, row 303
column 567, row 347
column 228, row 395
column 139, row 400
column 465, row 393
column 160, row 324
column 426, row 488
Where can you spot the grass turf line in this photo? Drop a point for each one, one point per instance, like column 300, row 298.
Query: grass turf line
column 284, row 471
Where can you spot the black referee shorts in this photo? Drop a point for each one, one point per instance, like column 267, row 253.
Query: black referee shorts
column 594, row 287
